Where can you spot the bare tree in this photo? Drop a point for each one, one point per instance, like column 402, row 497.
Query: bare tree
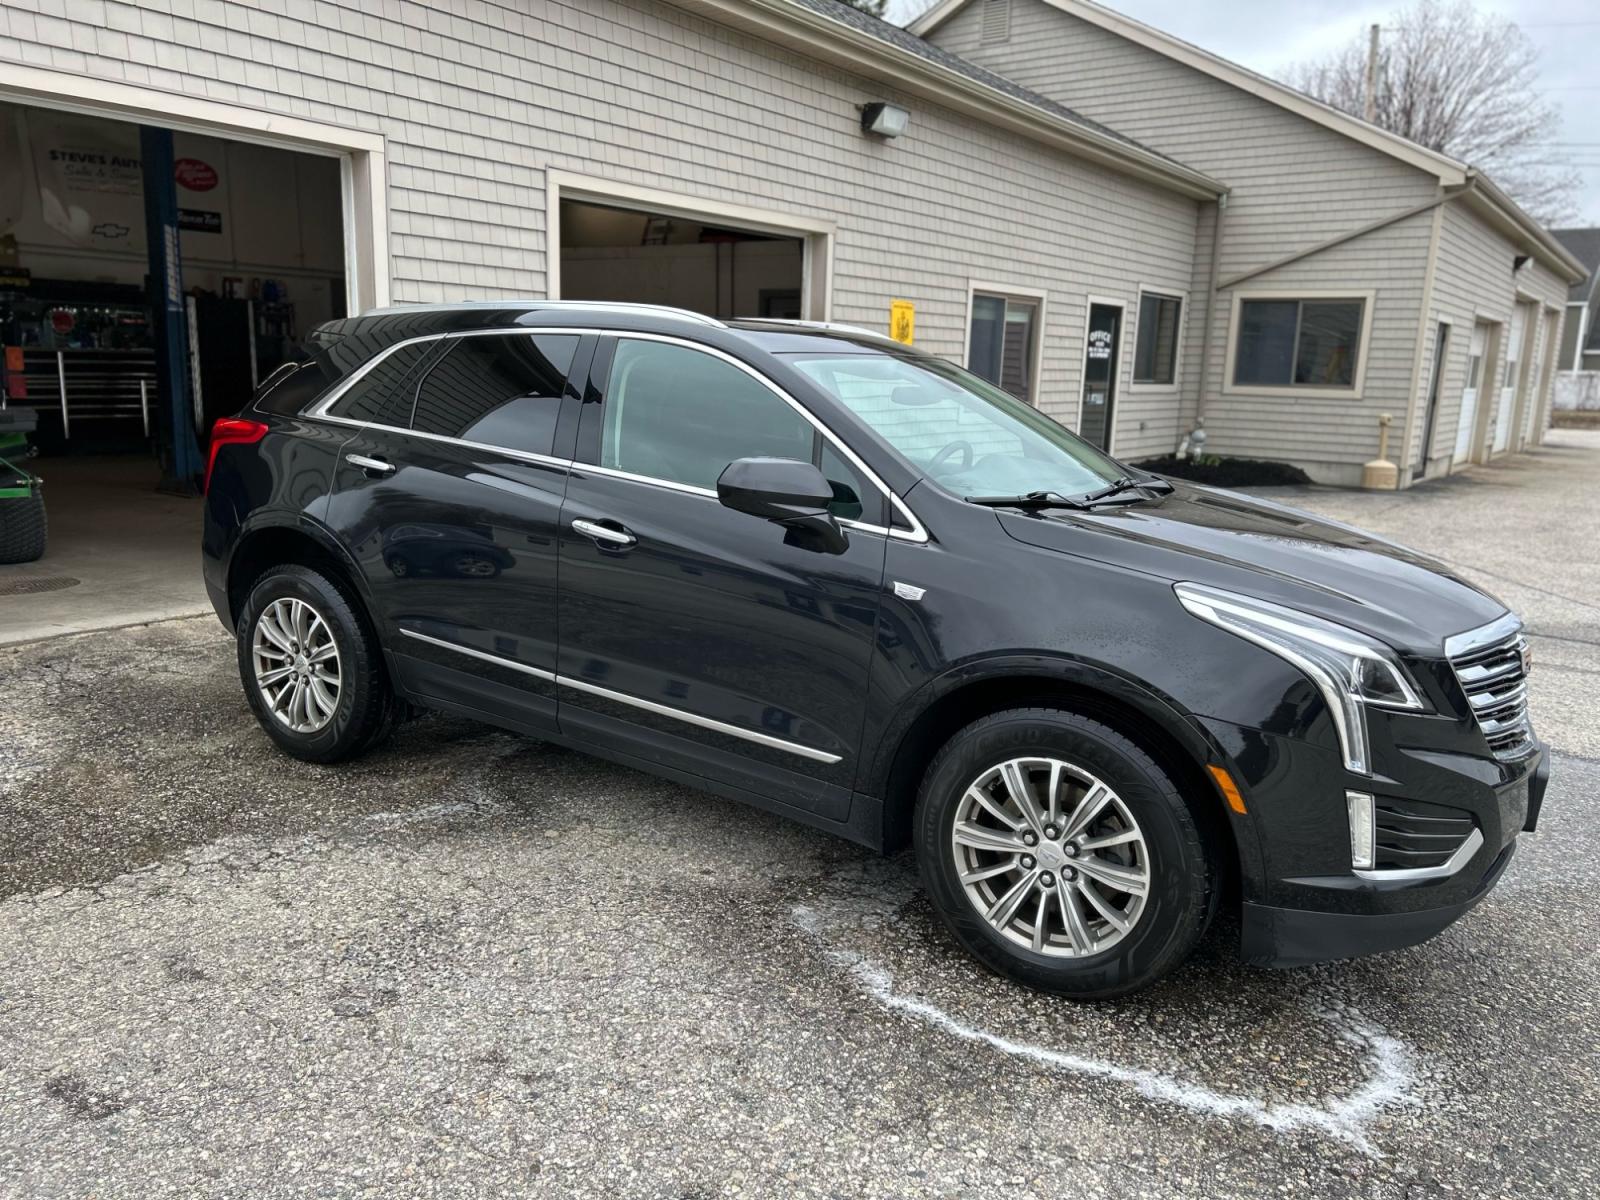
column 1461, row 82
column 873, row 8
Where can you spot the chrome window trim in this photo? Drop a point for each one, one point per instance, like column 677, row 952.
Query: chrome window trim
column 543, row 460
column 918, row 532
column 692, row 489
column 677, row 714
column 1454, row 863
column 320, row 408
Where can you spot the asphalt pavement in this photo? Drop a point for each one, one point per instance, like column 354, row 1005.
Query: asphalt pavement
column 473, row 964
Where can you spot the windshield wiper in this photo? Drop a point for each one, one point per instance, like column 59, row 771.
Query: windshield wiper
column 1126, row 484
column 1028, row 500
column 1032, row 501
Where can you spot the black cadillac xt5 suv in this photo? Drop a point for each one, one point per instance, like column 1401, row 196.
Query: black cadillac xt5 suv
column 812, row 569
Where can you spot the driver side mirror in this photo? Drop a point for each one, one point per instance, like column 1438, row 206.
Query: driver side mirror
column 786, row 492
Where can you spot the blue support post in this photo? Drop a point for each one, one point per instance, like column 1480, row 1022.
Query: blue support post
column 182, row 466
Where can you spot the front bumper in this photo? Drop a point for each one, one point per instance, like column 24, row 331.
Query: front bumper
column 1297, row 937
column 1303, row 903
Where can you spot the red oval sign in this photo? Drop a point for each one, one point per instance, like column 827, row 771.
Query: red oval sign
column 195, row 175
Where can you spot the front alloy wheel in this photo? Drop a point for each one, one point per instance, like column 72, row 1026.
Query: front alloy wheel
column 1060, row 854
column 1051, row 857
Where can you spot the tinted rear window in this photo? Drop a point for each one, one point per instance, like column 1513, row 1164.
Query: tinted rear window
column 384, row 393
column 500, row 391
column 291, row 387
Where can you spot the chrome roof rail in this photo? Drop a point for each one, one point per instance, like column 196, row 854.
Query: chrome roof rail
column 823, row 326
column 659, row 310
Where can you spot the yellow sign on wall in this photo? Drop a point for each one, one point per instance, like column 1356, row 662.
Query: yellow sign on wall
column 902, row 320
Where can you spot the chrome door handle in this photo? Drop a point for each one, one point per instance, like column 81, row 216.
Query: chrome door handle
column 604, row 533
column 369, row 464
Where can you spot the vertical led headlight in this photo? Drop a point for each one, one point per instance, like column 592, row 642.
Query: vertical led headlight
column 1353, row 672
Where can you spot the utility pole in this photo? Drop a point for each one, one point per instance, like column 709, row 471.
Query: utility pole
column 1370, row 108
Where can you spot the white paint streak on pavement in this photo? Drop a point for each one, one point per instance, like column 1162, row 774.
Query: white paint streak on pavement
column 1389, row 1073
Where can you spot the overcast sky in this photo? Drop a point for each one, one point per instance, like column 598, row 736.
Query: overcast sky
column 1268, row 35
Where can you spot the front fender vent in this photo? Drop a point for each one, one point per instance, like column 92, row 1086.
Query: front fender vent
column 1409, row 834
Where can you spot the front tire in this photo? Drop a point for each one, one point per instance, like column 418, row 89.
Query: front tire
column 1060, row 855
column 312, row 669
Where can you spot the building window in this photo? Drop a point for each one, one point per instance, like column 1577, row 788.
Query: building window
column 1155, row 352
column 1298, row 343
column 1000, row 345
column 1572, row 337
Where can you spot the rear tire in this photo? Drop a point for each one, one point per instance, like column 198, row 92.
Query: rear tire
column 23, row 530
column 312, row 668
column 1139, row 875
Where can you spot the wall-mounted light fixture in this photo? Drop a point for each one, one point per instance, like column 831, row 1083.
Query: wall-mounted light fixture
column 884, row 120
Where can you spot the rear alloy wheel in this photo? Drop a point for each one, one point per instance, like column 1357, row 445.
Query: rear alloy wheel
column 296, row 662
column 1059, row 854
column 312, row 668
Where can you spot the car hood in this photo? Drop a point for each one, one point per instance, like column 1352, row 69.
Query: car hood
column 1268, row 550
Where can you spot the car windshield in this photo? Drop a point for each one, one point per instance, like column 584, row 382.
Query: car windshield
column 967, row 435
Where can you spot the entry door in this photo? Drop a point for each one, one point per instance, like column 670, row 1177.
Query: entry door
column 1469, row 394
column 450, row 503
column 1100, row 374
column 1441, row 343
column 1543, row 351
column 1516, row 344
column 694, row 636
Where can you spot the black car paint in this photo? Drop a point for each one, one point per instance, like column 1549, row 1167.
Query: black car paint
column 715, row 611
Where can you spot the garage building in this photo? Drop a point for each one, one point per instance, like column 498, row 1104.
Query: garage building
column 787, row 158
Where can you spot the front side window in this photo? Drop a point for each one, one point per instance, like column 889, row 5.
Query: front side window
column 498, row 390
column 383, row 393
column 1298, row 343
column 968, row 436
column 1155, row 354
column 1001, row 342
column 678, row 414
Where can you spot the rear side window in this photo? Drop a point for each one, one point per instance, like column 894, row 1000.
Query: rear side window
column 383, row 394
column 499, row 391
column 291, row 387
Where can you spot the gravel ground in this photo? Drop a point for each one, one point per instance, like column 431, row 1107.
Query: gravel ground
column 473, row 964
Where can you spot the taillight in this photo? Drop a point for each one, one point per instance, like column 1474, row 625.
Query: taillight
column 230, row 431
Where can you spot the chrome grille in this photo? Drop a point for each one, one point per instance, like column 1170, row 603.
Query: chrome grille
column 1492, row 665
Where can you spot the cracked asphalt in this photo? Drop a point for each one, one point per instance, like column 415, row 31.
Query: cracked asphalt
column 475, row 965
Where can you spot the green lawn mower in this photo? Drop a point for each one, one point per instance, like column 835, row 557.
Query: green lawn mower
column 22, row 528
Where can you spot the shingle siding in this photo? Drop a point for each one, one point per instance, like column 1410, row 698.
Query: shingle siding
column 1294, row 184
column 476, row 100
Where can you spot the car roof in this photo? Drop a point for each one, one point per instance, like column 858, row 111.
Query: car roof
column 352, row 340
